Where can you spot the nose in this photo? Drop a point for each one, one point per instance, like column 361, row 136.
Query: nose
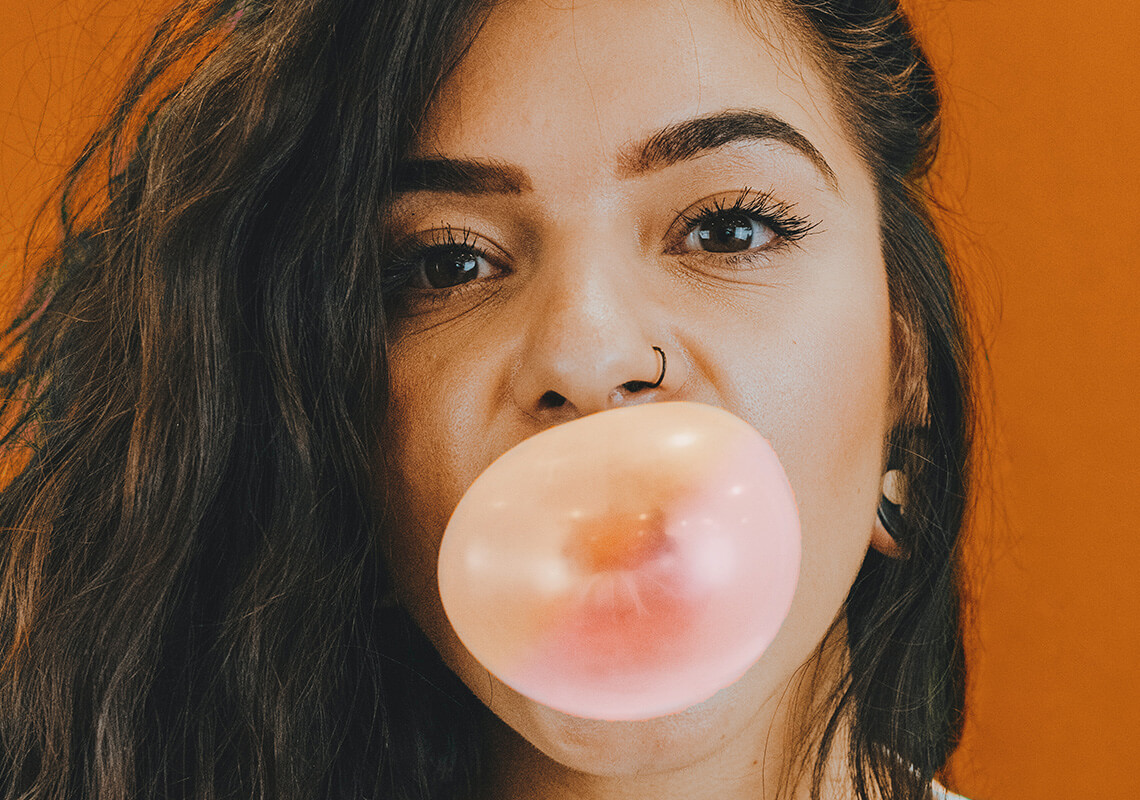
column 594, row 341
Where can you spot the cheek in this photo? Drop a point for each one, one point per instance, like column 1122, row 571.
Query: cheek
column 435, row 446
column 441, row 432
column 809, row 365
column 423, row 469
column 836, row 425
column 833, row 419
column 842, row 460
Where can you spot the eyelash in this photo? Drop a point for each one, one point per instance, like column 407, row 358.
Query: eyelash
column 778, row 216
column 774, row 214
column 399, row 275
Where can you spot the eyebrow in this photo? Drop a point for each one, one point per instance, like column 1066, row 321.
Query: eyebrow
column 674, row 144
column 460, row 176
column 694, row 137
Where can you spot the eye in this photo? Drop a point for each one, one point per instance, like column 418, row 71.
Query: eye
column 439, row 261
column 446, row 266
column 441, row 268
column 729, row 231
column 740, row 225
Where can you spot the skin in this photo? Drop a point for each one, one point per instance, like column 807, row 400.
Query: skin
column 590, row 268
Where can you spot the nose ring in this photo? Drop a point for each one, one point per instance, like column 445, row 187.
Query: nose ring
column 660, row 377
column 639, row 385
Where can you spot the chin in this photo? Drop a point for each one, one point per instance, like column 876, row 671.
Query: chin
column 642, row 747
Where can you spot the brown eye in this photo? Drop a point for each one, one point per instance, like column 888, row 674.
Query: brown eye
column 450, row 265
column 728, row 232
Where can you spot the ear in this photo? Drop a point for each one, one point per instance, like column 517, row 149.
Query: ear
column 882, row 541
column 889, row 515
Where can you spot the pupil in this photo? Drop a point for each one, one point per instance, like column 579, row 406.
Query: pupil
column 450, row 267
column 727, row 233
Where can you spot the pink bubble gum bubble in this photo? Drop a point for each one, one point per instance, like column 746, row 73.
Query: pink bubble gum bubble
column 625, row 565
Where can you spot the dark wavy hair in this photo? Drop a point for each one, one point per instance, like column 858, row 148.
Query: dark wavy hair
column 192, row 596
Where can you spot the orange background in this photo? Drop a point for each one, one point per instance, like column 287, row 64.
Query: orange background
column 1042, row 169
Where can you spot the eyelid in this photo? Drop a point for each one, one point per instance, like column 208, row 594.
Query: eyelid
column 414, row 244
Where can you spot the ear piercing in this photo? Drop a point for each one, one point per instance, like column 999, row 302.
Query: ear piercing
column 894, row 486
column 888, row 518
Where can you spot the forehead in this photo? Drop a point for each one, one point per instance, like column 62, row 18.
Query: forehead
column 550, row 83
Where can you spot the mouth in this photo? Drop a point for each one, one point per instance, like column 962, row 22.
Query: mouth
column 624, row 565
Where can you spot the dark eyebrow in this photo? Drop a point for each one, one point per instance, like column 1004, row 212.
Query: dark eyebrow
column 460, row 176
column 672, row 145
column 693, row 137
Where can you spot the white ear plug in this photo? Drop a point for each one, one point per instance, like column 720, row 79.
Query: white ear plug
column 894, row 486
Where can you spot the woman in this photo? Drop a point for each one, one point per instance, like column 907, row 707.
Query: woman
column 328, row 259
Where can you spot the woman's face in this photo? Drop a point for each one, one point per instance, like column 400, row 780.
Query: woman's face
column 597, row 179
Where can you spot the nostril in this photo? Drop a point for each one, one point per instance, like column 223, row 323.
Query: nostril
column 633, row 387
column 551, row 400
